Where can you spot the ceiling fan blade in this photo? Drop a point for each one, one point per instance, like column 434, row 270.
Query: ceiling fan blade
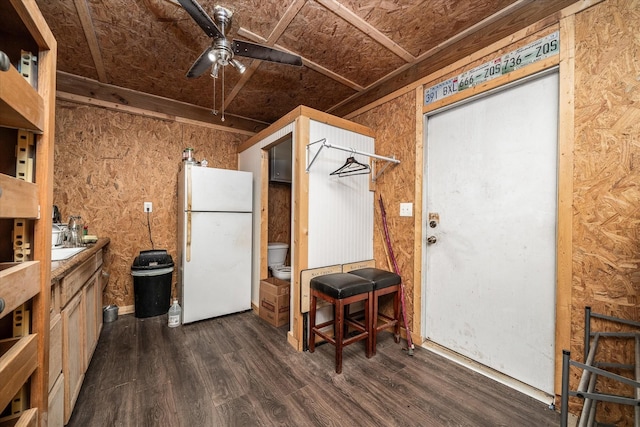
column 201, row 65
column 200, row 16
column 265, row 53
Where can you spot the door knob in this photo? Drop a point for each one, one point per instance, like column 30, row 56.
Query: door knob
column 431, row 240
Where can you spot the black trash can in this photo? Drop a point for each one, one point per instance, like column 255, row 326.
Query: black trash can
column 152, row 271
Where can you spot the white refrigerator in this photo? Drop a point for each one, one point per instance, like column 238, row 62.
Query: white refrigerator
column 214, row 241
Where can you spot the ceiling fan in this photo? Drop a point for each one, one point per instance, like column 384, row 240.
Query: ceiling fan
column 221, row 52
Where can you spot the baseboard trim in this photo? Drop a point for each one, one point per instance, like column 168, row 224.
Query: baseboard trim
column 127, row 309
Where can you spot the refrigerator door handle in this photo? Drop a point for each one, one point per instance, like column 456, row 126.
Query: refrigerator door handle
column 189, row 186
column 189, row 197
column 188, row 248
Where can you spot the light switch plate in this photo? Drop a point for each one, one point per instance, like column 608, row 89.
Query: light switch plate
column 406, row 209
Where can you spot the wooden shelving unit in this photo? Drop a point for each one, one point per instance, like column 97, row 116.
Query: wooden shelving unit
column 26, row 283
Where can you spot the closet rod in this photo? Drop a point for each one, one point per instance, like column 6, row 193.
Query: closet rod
column 350, row 150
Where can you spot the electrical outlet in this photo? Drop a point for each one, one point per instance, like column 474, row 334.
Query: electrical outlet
column 148, row 207
column 406, row 209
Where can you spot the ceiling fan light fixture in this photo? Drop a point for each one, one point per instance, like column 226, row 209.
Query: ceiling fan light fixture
column 214, row 70
column 238, row 65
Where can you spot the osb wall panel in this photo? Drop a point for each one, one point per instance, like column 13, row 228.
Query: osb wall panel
column 279, row 213
column 108, row 163
column 395, row 129
column 606, row 228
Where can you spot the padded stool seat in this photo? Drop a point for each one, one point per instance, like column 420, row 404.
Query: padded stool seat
column 340, row 289
column 384, row 283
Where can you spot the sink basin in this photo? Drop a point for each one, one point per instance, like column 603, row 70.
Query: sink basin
column 59, row 254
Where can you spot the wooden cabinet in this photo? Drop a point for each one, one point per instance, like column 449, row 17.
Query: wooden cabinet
column 81, row 302
column 25, row 201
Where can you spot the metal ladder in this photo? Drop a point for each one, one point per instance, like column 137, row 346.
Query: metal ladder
column 592, row 369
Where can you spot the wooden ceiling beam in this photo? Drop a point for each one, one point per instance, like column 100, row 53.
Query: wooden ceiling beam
column 92, row 40
column 353, row 19
column 547, row 12
column 92, row 92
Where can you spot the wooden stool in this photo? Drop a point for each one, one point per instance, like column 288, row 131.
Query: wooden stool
column 340, row 289
column 384, row 282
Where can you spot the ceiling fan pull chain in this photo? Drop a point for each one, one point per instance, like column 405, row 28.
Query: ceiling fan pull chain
column 214, row 111
column 222, row 107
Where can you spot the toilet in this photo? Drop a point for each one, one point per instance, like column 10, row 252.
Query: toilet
column 276, row 256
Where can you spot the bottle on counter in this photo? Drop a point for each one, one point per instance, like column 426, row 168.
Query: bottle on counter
column 175, row 313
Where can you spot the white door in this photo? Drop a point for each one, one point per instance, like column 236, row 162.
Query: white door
column 491, row 174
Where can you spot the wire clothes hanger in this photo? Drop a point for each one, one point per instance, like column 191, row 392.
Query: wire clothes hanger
column 312, row 157
column 352, row 167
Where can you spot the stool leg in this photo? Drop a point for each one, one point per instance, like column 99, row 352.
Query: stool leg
column 373, row 328
column 338, row 337
column 396, row 315
column 345, row 330
column 312, row 323
column 369, row 316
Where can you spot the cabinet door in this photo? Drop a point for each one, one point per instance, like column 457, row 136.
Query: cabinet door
column 72, row 352
column 99, row 289
column 90, row 294
column 55, row 350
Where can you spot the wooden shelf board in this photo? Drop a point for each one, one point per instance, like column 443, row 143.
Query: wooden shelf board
column 20, row 104
column 18, row 199
column 18, row 360
column 19, row 282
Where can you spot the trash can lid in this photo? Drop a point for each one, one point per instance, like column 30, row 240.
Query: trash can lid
column 152, row 260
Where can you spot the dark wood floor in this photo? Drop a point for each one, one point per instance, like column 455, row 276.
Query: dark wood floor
column 239, row 371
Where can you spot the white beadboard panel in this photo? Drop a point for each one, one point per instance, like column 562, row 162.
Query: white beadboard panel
column 285, row 130
column 340, row 209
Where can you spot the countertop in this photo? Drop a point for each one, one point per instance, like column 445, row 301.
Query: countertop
column 59, row 269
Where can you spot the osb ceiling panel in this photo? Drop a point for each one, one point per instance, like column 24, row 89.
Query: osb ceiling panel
column 263, row 96
column 338, row 46
column 350, row 48
column 418, row 26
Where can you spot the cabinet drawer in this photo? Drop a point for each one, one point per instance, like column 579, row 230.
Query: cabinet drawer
column 18, row 360
column 54, row 305
column 55, row 349
column 74, row 281
column 19, row 282
column 99, row 258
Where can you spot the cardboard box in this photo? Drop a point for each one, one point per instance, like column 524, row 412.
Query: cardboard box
column 274, row 301
column 275, row 286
